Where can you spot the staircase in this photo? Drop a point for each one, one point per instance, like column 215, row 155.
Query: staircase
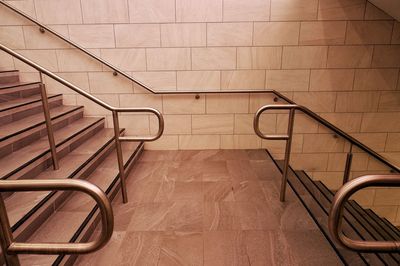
column 85, row 149
column 358, row 223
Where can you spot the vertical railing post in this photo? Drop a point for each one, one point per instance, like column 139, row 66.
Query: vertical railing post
column 120, row 158
column 49, row 126
column 347, row 168
column 287, row 153
column 6, row 237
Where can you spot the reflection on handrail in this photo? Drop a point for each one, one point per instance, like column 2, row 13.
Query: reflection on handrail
column 114, row 110
column 335, row 214
column 12, row 248
column 288, row 137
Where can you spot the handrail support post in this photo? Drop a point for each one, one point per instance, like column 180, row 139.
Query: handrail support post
column 349, row 160
column 6, row 237
column 287, row 153
column 49, row 126
column 120, row 157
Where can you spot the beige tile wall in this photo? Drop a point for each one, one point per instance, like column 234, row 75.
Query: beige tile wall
column 339, row 58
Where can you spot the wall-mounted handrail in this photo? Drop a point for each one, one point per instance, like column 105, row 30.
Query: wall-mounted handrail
column 336, row 211
column 11, row 248
column 292, row 108
column 114, row 110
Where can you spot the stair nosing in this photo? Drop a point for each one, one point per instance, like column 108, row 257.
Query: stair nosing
column 21, row 84
column 30, row 102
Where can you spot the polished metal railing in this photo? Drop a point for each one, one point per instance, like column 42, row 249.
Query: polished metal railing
column 115, row 111
column 336, row 213
column 11, row 248
column 288, row 137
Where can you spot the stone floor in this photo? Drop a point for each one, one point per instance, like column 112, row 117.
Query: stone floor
column 210, row 208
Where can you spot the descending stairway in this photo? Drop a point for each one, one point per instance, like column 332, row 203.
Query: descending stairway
column 358, row 223
column 85, row 149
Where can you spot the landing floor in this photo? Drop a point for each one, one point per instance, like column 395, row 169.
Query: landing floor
column 210, row 208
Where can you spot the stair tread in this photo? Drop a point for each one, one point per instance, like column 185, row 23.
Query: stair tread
column 17, row 102
column 16, row 84
column 74, row 215
column 17, row 205
column 18, row 126
column 13, row 161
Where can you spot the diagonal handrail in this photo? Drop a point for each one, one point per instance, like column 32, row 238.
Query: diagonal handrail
column 11, row 248
column 336, row 211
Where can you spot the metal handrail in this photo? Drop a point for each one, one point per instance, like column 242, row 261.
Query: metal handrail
column 114, row 110
column 11, row 248
column 288, row 137
column 336, row 212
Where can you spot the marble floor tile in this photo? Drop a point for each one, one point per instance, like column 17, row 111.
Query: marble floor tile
column 257, row 216
column 241, row 170
column 245, row 191
column 220, row 216
column 218, row 191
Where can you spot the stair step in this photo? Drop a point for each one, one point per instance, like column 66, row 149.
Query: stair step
column 20, row 108
column 374, row 230
column 352, row 226
column 30, row 160
column 71, row 213
column 30, row 210
column 18, row 90
column 320, row 216
column 394, row 233
column 9, row 76
column 21, row 133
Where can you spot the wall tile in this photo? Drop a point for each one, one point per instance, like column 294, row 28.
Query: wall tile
column 243, row 79
column 387, row 196
column 105, row 82
column 393, row 142
column 233, row 103
column 158, row 80
column 288, row 80
column 79, row 79
column 72, row 60
column 164, row 143
column 105, row 11
column 212, row 124
column 322, row 143
column 92, row 108
column 357, row 102
column 258, row 100
column 323, row 33
column 45, row 58
column 304, row 57
column 316, row 101
column 183, row 35
column 389, row 102
column 240, row 142
column 126, row 59
column 12, row 37
column 199, row 142
column 141, row 100
column 380, row 122
column 375, row 79
column 349, row 122
column 310, row 162
column 303, row 124
column 34, row 39
column 229, row 34
column 237, row 10
column 198, row 10
column 9, row 17
column 217, row 58
column 244, row 123
column 135, row 124
column 183, row 104
column 386, row 56
column 276, row 33
column 277, row 147
column 168, row 59
column 266, row 57
column 140, row 35
column 375, row 141
column 396, row 33
column 48, row 11
column 173, row 124
column 294, row 9
column 369, row 32
column 332, row 80
column 374, row 13
column 349, row 56
column 151, row 11
column 92, row 36
column 339, row 10
column 199, row 80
